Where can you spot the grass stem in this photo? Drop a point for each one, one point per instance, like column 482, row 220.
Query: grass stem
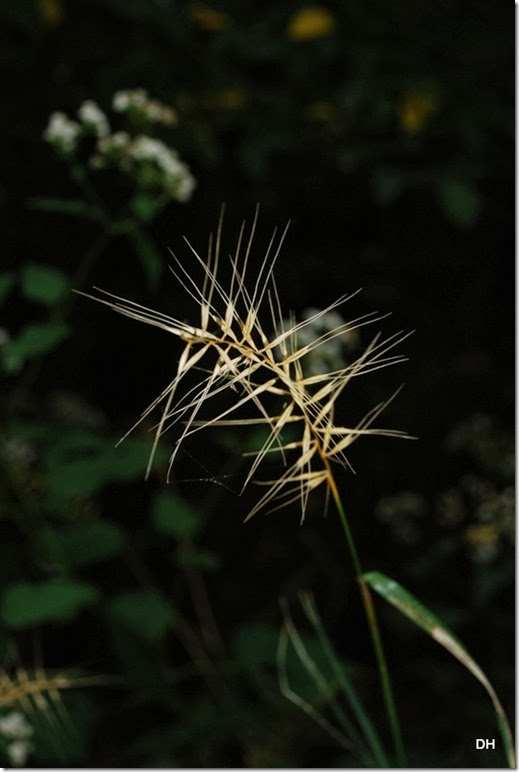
column 367, row 600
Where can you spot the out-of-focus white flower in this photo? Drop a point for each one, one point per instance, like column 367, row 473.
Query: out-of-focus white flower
column 18, row 752
column 15, row 725
column 62, row 132
column 111, row 148
column 186, row 185
column 331, row 353
column 93, row 118
column 124, row 100
column 120, row 139
column 177, row 178
column 151, row 109
column 17, row 451
column 149, row 148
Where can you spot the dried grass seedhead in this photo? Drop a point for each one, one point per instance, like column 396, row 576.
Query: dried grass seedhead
column 257, row 364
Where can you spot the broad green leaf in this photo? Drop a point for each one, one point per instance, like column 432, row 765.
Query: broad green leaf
column 172, row 515
column 127, row 460
column 6, row 283
column 88, row 543
column 144, row 612
column 410, row 607
column 44, row 284
column 79, row 462
column 26, row 605
column 33, row 340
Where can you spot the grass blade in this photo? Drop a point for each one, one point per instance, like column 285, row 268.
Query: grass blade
column 410, row 607
column 344, row 681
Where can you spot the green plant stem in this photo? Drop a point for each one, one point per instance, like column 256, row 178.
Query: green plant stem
column 367, row 600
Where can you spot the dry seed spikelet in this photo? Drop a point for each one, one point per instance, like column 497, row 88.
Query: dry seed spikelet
column 256, row 365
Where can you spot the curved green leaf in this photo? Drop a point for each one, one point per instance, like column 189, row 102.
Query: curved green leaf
column 410, row 607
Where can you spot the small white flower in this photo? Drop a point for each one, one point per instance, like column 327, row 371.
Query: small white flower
column 112, row 147
column 159, row 113
column 15, row 725
column 151, row 109
column 124, row 100
column 150, row 149
column 331, row 352
column 121, row 101
column 91, row 116
column 117, row 141
column 18, row 451
column 186, row 186
column 62, row 132
column 18, row 752
column 154, row 110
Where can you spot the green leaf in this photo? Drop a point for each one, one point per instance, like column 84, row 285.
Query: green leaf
column 74, row 466
column 80, row 462
column 44, row 284
column 173, row 516
column 128, row 460
column 33, row 340
column 88, row 543
column 460, row 201
column 144, row 206
column 144, row 612
column 410, row 607
column 6, row 283
column 26, row 605
column 70, row 206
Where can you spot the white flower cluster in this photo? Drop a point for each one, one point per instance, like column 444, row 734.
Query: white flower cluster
column 93, row 118
column 15, row 728
column 62, row 133
column 153, row 164
column 178, row 180
column 138, row 102
column 331, row 354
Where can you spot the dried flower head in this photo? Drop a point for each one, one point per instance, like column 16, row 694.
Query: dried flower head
column 256, row 364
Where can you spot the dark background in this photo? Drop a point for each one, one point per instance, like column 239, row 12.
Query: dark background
column 387, row 140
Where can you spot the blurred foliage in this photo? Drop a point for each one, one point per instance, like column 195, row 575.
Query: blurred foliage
column 385, row 132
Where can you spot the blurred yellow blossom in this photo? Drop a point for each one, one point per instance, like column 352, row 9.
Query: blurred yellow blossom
column 231, row 99
column 320, row 111
column 207, row 17
column 51, row 11
column 314, row 21
column 481, row 534
column 414, row 109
